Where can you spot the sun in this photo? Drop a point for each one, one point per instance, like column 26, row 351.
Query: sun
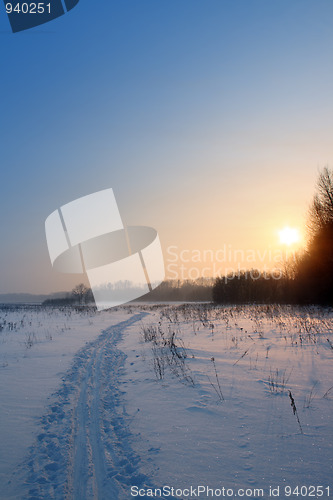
column 289, row 236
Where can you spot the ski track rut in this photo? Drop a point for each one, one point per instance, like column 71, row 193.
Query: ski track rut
column 83, row 451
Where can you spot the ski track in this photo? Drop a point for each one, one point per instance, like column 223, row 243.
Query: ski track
column 83, row 450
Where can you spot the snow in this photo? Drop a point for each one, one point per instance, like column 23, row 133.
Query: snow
column 37, row 346
column 152, row 396
column 188, row 434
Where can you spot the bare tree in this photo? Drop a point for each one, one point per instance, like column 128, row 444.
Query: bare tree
column 321, row 210
column 80, row 292
column 314, row 276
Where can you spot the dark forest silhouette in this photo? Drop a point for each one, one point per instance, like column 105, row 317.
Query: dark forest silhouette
column 314, row 270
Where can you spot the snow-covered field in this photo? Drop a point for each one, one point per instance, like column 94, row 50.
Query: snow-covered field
column 229, row 401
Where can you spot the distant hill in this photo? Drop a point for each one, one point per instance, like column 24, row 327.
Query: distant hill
column 169, row 290
column 29, row 298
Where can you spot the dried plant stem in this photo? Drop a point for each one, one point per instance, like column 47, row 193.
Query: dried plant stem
column 219, row 390
column 293, row 405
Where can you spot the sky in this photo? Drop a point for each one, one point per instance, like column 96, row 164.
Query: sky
column 209, row 119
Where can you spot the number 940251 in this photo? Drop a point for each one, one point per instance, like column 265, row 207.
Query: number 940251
column 28, row 8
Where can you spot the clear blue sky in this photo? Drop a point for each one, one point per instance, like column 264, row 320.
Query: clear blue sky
column 208, row 118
